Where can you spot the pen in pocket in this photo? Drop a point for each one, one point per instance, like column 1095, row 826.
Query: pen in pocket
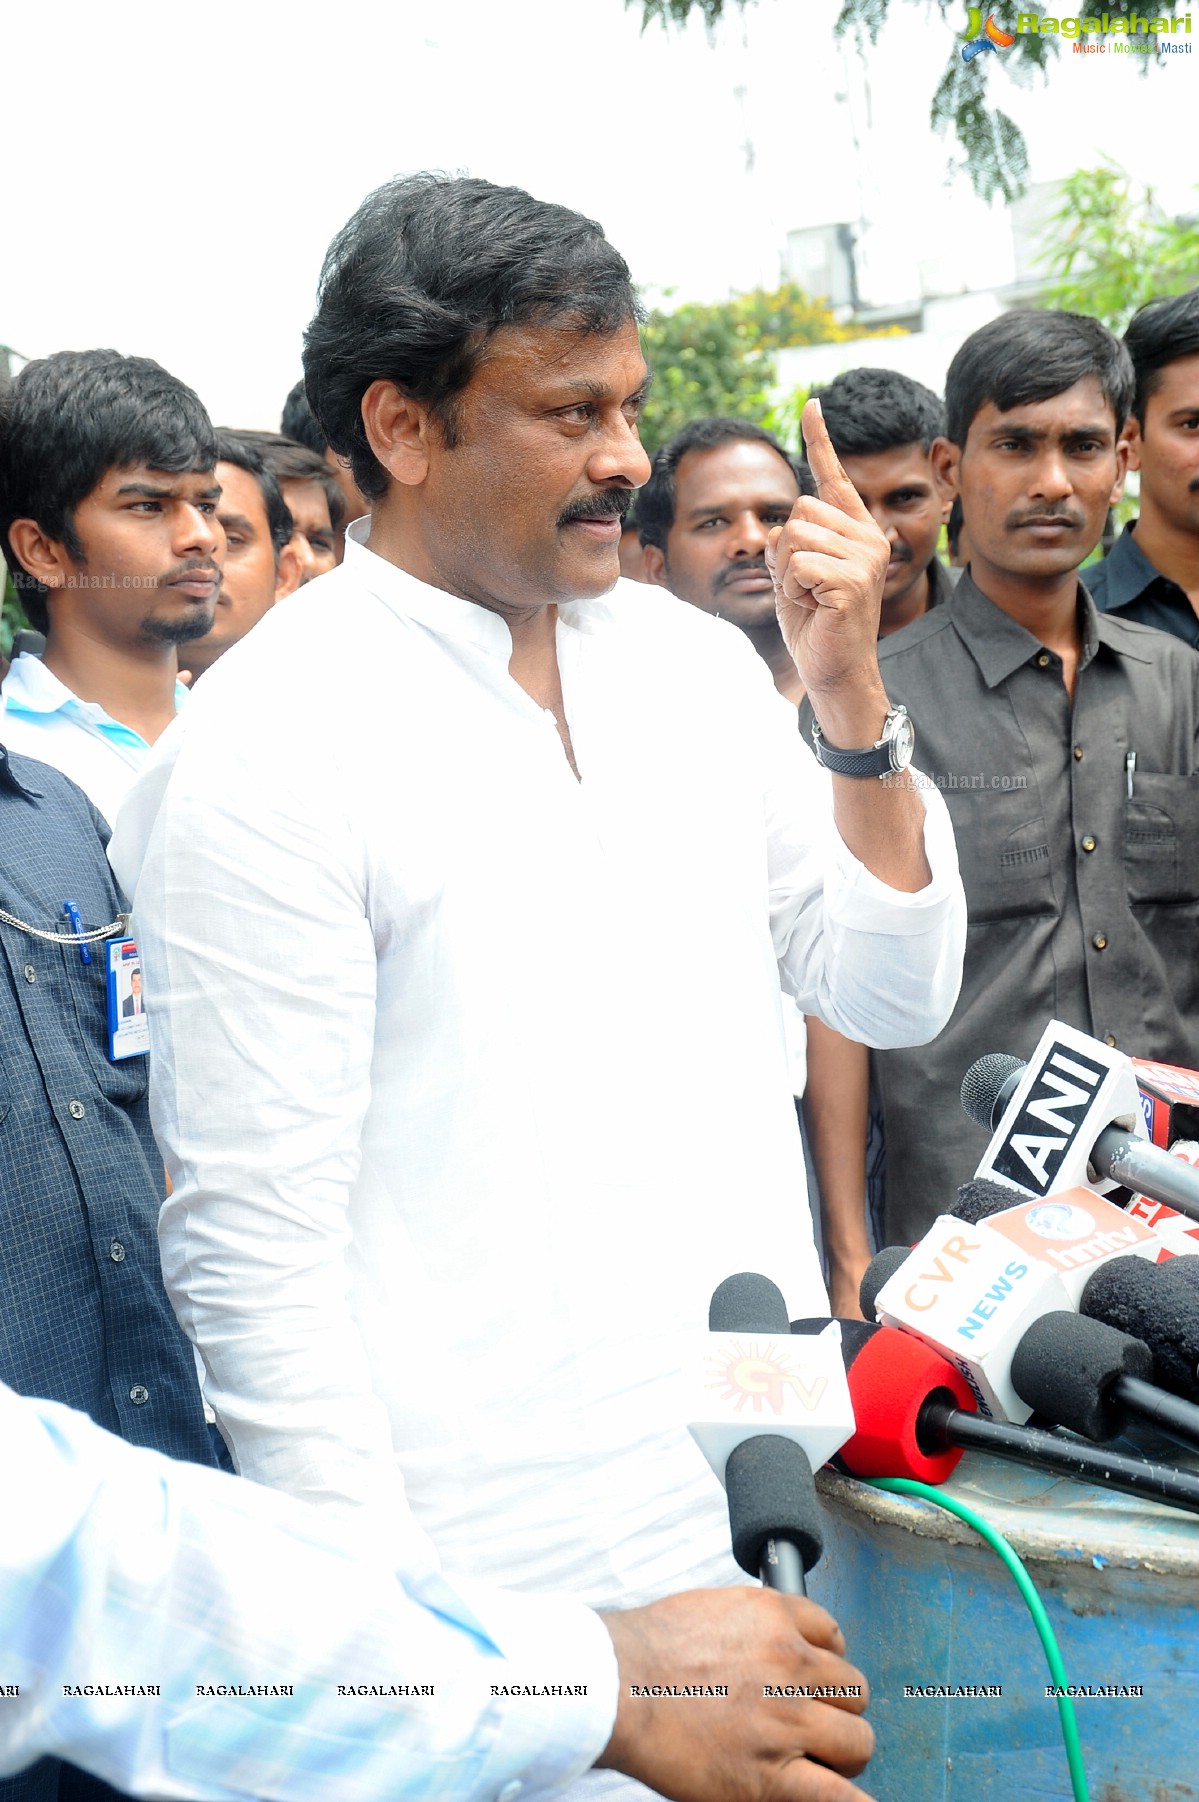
column 71, row 909
column 1130, row 770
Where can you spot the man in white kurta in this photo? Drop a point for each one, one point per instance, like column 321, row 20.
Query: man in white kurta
column 462, row 954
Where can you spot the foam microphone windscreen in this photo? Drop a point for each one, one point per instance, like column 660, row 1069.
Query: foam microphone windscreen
column 984, row 1083
column 1132, row 1294
column 748, row 1303
column 1183, row 1270
column 1066, row 1367
column 890, row 1380
column 980, row 1198
column 771, row 1495
column 879, row 1271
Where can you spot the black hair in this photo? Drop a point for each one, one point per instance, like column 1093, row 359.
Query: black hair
column 300, row 422
column 1024, row 357
column 65, row 421
column 238, row 448
column 289, row 461
column 416, row 283
column 655, row 502
column 870, row 410
column 1158, row 333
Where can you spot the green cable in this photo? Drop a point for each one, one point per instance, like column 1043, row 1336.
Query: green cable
column 1024, row 1583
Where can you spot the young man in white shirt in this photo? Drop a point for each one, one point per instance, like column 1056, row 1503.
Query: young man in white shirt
column 481, row 952
column 108, row 522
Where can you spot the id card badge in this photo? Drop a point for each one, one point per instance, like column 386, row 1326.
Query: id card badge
column 128, row 1027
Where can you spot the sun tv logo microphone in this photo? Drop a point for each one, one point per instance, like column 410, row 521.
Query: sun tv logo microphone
column 1071, row 1089
column 742, row 1384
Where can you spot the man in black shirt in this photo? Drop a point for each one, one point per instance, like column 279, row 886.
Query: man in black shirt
column 1152, row 571
column 1064, row 741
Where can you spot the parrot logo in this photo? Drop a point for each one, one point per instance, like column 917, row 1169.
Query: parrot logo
column 984, row 37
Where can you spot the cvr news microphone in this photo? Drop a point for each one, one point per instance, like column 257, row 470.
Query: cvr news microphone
column 1071, row 1117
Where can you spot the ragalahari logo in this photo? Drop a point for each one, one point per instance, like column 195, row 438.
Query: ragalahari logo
column 761, row 1375
column 984, row 37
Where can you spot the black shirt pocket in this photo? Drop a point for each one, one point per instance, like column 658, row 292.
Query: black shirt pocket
column 1161, row 839
column 1003, row 853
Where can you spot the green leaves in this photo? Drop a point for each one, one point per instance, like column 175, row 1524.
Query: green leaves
column 718, row 359
column 991, row 145
column 1112, row 248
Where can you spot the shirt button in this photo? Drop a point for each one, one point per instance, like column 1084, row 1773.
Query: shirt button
column 1044, row 660
column 1089, row 843
column 1109, row 1038
column 1078, row 753
column 76, row 1110
column 116, row 1252
column 1100, row 942
column 510, row 1792
column 139, row 1394
column 30, row 973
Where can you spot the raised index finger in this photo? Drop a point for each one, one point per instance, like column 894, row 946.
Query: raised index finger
column 832, row 483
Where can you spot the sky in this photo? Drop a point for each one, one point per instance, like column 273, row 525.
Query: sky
column 181, row 172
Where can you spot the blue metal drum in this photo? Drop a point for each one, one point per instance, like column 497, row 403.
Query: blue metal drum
column 925, row 1605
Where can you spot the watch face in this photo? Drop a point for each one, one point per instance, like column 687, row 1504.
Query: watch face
column 903, row 743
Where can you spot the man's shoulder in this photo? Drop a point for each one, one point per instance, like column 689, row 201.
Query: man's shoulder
column 55, row 797
column 656, row 623
column 915, row 643
column 1148, row 644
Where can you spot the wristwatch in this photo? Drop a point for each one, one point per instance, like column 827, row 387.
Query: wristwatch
column 892, row 752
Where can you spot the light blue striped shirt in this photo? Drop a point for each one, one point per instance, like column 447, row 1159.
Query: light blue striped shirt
column 123, row 1571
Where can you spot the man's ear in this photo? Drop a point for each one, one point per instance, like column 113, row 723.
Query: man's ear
column 44, row 557
column 653, row 562
column 288, row 570
column 1123, row 464
column 399, row 431
column 945, row 456
column 1132, row 438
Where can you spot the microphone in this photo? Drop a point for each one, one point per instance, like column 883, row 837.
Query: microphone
column 880, row 1270
column 1072, row 1117
column 977, row 1200
column 765, row 1409
column 923, row 1421
column 1157, row 1303
column 1080, row 1373
column 971, row 1289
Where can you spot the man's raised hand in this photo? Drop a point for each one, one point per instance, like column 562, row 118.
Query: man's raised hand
column 829, row 563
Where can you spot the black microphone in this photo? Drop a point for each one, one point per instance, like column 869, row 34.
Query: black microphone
column 1156, row 1303
column 878, row 1273
column 1061, row 1124
column 774, row 1517
column 908, row 1406
column 1081, row 1373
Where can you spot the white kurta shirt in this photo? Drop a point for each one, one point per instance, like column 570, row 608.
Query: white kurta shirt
column 470, row 1076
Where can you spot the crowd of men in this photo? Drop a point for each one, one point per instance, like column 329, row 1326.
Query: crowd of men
column 469, row 976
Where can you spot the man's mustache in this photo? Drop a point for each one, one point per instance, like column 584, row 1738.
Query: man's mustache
column 735, row 571
column 613, row 502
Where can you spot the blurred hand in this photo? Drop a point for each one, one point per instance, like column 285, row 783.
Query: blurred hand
column 743, row 1747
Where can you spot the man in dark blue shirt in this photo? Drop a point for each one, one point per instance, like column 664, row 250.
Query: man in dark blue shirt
column 84, row 1318
column 1152, row 571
